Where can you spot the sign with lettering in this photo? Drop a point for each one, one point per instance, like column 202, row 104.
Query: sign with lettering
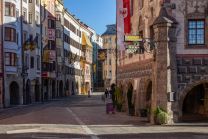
column 109, row 108
column 51, row 32
column 134, row 49
column 133, row 38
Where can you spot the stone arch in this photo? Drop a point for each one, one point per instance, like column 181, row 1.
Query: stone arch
column 37, row 91
column 14, row 93
column 183, row 93
column 28, row 92
column 147, row 93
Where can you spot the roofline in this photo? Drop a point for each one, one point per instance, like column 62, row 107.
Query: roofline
column 62, row 3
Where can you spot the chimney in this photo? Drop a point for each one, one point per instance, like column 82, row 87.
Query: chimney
column 73, row 16
column 82, row 23
column 78, row 20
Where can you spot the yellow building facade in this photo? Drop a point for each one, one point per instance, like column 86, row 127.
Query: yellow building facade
column 109, row 65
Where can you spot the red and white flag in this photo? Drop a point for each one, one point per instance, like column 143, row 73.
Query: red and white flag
column 123, row 21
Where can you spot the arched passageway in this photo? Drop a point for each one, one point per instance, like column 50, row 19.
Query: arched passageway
column 61, row 89
column 46, row 90
column 37, row 92
column 28, row 93
column 147, row 94
column 14, row 93
column 73, row 88
column 194, row 105
column 53, row 89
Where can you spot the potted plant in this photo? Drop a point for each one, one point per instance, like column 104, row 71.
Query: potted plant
column 142, row 112
column 119, row 98
column 130, row 105
column 148, row 114
column 156, row 112
column 162, row 118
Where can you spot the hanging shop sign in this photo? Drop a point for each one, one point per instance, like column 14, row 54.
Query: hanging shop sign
column 130, row 49
column 133, row 38
column 102, row 54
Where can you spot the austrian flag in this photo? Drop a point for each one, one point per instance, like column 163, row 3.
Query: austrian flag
column 122, row 21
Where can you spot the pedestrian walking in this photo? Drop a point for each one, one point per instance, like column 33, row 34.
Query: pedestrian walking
column 106, row 93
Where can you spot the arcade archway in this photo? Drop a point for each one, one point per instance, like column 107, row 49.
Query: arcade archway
column 61, row 88
column 37, row 92
column 147, row 94
column 14, row 93
column 28, row 93
column 53, row 89
column 46, row 90
column 194, row 108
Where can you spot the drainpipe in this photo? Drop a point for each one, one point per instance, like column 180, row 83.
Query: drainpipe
column 2, row 58
column 42, row 52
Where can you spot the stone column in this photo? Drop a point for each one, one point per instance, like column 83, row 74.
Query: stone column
column 164, row 66
column 206, row 102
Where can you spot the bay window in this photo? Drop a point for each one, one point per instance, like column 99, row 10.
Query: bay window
column 51, row 24
column 10, row 34
column 10, row 59
column 10, row 9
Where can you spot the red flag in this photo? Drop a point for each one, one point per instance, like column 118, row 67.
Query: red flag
column 123, row 21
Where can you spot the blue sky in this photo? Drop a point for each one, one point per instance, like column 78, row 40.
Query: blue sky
column 95, row 13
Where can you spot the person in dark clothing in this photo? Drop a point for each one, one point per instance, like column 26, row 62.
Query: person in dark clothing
column 106, row 93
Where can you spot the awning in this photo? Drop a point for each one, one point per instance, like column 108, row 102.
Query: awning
column 85, row 40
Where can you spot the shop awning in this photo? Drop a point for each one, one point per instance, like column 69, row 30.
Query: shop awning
column 85, row 40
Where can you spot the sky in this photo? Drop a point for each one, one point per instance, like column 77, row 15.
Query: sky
column 95, row 13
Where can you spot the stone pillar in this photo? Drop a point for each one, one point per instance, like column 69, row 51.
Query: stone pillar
column 164, row 66
column 206, row 102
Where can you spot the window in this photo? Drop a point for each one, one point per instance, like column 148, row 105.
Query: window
column 49, row 6
column 30, row 18
column 58, row 17
column 32, row 62
column 17, row 15
column 141, row 4
column 37, row 18
column 30, row 1
column 51, row 45
column 51, row 24
column 53, row 8
column 110, row 73
column 115, row 62
column 115, row 72
column 10, row 9
column 58, row 33
column 25, row 16
column 196, row 32
column 10, row 59
column 42, row 11
column 109, row 40
column 132, row 8
column 10, row 34
column 17, row 39
column 109, row 51
column 115, row 40
column 37, row 2
column 45, row 13
column 45, row 31
column 25, row 37
column 109, row 62
column 38, row 63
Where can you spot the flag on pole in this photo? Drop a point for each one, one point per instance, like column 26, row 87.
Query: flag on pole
column 27, row 45
column 34, row 43
column 123, row 21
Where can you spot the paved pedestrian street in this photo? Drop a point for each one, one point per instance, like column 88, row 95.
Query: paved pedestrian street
column 80, row 117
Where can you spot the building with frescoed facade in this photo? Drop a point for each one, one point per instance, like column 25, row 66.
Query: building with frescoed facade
column 32, row 55
column 109, row 65
column 13, row 93
column 60, row 48
column 48, row 43
column 173, row 75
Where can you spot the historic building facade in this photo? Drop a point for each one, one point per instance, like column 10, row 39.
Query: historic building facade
column 178, row 63
column 109, row 65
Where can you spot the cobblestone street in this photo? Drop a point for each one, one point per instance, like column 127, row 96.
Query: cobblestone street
column 83, row 117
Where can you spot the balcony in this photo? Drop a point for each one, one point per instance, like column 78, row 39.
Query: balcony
column 88, row 59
